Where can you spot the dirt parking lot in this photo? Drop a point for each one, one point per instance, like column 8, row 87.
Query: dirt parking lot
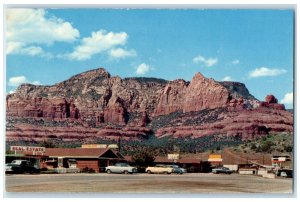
column 200, row 183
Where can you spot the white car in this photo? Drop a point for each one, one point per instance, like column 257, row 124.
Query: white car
column 121, row 168
column 165, row 169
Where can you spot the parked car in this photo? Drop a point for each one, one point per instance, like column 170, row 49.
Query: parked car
column 159, row 168
column 285, row 173
column 20, row 166
column 181, row 170
column 121, row 168
column 221, row 170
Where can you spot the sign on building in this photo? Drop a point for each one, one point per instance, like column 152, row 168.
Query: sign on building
column 215, row 158
column 173, row 156
column 113, row 146
column 94, row 146
column 27, row 149
column 281, row 159
column 102, row 146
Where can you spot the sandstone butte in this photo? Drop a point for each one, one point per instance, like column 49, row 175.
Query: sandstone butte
column 96, row 104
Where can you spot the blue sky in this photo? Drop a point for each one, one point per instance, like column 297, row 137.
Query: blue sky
column 46, row 46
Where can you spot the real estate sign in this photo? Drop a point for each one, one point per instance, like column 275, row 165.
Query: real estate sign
column 28, row 149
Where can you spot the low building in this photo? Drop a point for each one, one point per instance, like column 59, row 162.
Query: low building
column 94, row 159
column 89, row 159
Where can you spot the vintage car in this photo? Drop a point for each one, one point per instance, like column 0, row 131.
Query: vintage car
column 121, row 168
column 20, row 166
column 179, row 170
column 221, row 170
column 160, row 168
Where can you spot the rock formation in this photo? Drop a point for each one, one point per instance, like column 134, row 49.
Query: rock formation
column 272, row 102
column 101, row 105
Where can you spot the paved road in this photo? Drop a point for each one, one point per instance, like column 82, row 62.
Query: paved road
column 147, row 183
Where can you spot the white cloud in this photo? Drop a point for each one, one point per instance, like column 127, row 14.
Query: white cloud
column 264, row 71
column 18, row 80
column 288, row 99
column 227, row 78
column 121, row 53
column 235, row 62
column 11, row 92
column 98, row 42
column 143, row 69
column 28, row 27
column 36, row 83
column 207, row 62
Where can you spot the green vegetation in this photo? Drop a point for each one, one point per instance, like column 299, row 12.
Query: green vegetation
column 281, row 143
column 153, row 145
column 142, row 150
column 144, row 158
column 165, row 145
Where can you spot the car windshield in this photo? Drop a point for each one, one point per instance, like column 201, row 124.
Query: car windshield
column 224, row 168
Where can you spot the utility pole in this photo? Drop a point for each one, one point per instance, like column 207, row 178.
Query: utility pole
column 119, row 143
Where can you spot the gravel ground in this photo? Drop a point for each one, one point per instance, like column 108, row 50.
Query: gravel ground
column 197, row 183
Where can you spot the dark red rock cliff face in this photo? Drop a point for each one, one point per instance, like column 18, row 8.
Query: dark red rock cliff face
column 94, row 100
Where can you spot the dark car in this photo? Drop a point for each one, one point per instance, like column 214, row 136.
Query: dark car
column 221, row 170
column 285, row 173
column 20, row 166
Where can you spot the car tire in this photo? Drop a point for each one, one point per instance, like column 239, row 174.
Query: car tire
column 125, row 171
column 108, row 171
column 149, row 171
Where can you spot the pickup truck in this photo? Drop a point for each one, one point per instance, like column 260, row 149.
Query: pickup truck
column 121, row 168
column 20, row 166
column 165, row 169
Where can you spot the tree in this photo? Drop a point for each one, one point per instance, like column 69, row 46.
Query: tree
column 288, row 148
column 47, row 144
column 144, row 158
